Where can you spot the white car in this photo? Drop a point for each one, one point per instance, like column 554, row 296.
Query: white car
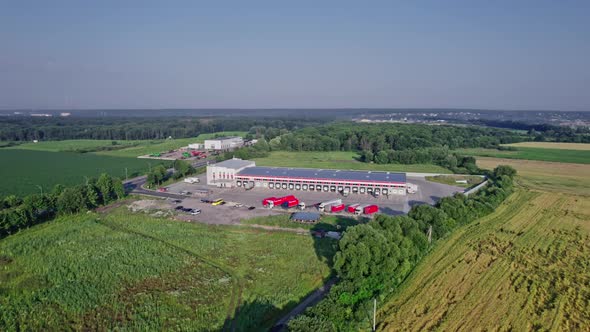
column 239, row 205
column 194, row 212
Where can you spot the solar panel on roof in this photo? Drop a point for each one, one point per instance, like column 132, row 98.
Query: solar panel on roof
column 342, row 175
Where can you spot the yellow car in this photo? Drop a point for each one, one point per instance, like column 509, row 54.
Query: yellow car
column 217, row 202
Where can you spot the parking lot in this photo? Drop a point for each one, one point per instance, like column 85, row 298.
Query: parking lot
column 428, row 193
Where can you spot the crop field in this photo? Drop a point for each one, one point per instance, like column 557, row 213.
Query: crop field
column 552, row 145
column 547, row 176
column 23, row 170
column 123, row 271
column 534, row 153
column 338, row 160
column 522, row 268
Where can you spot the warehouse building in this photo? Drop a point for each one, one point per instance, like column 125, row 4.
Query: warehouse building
column 224, row 174
column 224, row 143
column 307, row 179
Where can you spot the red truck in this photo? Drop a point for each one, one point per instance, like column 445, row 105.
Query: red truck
column 366, row 209
column 273, row 201
column 337, row 208
column 352, row 208
column 290, row 203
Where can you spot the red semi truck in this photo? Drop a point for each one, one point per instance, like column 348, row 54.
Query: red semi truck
column 352, row 208
column 273, row 201
column 290, row 203
column 366, row 209
column 337, row 208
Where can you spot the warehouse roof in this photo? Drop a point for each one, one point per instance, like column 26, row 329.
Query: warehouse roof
column 223, row 138
column 235, row 163
column 324, row 174
column 305, row 216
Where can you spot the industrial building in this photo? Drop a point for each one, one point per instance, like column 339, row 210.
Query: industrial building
column 224, row 143
column 247, row 175
column 224, row 174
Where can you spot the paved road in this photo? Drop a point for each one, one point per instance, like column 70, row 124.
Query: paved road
column 312, row 299
column 135, row 185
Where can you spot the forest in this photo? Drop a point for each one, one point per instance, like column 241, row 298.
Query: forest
column 374, row 258
column 18, row 213
column 52, row 129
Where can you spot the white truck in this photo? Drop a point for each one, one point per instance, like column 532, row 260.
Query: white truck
column 192, row 180
column 325, row 204
column 301, row 205
column 411, row 188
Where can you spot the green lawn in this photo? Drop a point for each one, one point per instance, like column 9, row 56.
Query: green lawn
column 338, row 160
column 23, row 170
column 541, row 154
column 126, row 271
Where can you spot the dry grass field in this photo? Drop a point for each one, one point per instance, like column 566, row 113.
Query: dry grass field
column 552, row 145
column 525, row 267
column 548, row 176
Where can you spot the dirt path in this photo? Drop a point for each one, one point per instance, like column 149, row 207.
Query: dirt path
column 312, row 299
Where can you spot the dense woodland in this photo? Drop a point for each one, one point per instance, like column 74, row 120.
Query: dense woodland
column 52, row 129
column 374, row 258
column 19, row 213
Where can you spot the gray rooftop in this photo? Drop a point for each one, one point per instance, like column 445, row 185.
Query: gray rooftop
column 222, row 138
column 307, row 216
column 235, row 163
column 324, row 174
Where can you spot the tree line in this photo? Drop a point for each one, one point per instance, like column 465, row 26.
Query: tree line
column 28, row 129
column 19, row 213
column 373, row 259
column 160, row 174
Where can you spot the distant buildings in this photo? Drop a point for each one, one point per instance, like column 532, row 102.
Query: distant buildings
column 224, row 143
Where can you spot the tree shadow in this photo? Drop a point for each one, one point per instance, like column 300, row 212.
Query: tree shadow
column 390, row 211
column 413, row 203
column 258, row 315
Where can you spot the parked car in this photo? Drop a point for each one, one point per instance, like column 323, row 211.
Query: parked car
column 162, row 190
column 195, row 212
column 187, row 210
column 180, row 207
column 239, row 205
column 177, row 201
column 205, row 201
column 251, row 208
column 217, row 202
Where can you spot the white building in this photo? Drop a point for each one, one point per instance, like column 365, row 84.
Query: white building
column 223, row 174
column 224, row 143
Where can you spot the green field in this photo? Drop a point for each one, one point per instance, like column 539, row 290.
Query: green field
column 149, row 147
column 522, row 268
column 24, row 170
column 121, row 148
column 75, row 145
column 125, row 271
column 338, row 160
column 530, row 153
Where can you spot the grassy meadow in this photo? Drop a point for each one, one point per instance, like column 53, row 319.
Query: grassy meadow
column 547, row 176
column 338, row 160
column 123, row 271
column 522, row 268
column 24, row 170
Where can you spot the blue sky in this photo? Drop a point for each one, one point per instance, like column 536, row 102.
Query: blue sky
column 279, row 54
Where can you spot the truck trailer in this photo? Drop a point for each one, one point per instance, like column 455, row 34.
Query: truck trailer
column 337, row 208
column 323, row 205
column 290, row 203
column 366, row 209
column 352, row 208
column 271, row 202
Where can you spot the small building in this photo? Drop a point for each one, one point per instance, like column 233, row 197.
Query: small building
column 224, row 143
column 305, row 216
column 197, row 146
column 223, row 174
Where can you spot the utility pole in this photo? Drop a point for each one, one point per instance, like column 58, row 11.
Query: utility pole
column 40, row 188
column 374, row 313
column 126, row 178
column 430, row 234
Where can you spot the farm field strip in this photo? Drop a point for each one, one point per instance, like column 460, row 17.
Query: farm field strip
column 533, row 153
column 552, row 145
column 338, row 160
column 547, row 176
column 520, row 268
